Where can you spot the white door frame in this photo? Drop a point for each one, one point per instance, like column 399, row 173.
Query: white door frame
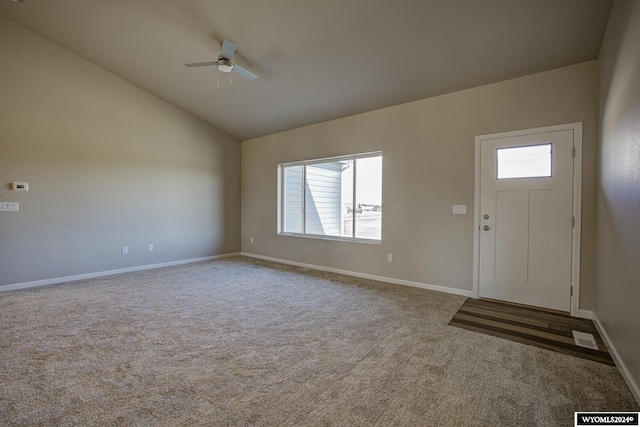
column 577, row 204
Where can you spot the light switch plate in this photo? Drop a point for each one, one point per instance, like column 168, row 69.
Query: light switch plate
column 459, row 209
column 9, row 206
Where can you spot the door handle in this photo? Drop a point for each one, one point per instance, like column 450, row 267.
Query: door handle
column 486, row 228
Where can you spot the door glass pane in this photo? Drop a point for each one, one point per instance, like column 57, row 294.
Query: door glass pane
column 292, row 203
column 368, row 209
column 532, row 161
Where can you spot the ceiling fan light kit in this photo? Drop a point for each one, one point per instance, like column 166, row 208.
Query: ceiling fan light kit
column 225, row 65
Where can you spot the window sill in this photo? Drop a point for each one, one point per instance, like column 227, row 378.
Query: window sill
column 334, row 238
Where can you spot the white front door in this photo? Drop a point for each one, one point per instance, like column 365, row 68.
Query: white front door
column 526, row 206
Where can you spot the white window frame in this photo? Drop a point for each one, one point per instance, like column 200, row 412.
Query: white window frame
column 305, row 163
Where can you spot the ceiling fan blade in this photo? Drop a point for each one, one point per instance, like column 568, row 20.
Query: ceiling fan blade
column 201, row 64
column 228, row 49
column 244, row 72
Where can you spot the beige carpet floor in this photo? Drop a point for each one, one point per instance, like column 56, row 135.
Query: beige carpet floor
column 239, row 342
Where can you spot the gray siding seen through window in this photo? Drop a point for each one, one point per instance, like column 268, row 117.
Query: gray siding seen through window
column 324, row 199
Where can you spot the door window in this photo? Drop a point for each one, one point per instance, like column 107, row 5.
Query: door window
column 533, row 161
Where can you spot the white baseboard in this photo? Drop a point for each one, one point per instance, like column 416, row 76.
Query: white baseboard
column 585, row 314
column 44, row 282
column 622, row 367
column 365, row 276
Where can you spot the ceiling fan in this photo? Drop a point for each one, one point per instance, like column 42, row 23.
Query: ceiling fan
column 224, row 62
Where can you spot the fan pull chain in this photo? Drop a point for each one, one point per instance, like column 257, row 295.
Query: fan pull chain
column 218, row 74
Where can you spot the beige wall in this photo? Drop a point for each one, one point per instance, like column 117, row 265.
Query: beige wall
column 428, row 166
column 108, row 165
column 618, row 228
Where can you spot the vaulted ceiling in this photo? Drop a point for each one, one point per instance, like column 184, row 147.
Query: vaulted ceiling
column 317, row 60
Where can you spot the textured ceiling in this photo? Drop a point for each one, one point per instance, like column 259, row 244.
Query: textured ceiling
column 317, row 60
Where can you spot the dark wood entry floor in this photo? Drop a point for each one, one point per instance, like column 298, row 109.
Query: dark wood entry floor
column 529, row 325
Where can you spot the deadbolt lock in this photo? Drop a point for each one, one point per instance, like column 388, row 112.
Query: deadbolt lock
column 485, row 216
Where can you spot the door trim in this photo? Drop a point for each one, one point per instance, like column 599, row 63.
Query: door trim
column 577, row 205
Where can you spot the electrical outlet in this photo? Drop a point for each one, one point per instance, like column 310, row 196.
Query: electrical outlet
column 150, row 247
column 251, row 240
column 125, row 250
column 20, row 186
column 390, row 257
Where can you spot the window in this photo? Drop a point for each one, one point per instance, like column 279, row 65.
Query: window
column 533, row 161
column 338, row 198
